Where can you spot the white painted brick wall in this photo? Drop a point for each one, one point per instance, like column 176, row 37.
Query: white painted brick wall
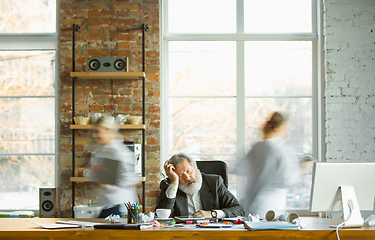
column 349, row 36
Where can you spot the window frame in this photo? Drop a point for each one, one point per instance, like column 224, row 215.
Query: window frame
column 318, row 111
column 37, row 42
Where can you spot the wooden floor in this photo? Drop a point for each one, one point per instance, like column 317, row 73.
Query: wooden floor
column 316, row 228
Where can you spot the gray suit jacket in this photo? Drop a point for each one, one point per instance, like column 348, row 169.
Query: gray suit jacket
column 214, row 196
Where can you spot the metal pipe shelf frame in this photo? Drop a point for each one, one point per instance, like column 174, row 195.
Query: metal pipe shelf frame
column 144, row 28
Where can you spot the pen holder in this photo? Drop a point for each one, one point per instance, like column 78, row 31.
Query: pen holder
column 133, row 216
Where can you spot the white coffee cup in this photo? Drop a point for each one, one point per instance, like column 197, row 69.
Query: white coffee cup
column 163, row 213
column 95, row 117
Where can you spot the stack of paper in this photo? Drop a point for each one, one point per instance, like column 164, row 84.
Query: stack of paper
column 270, row 225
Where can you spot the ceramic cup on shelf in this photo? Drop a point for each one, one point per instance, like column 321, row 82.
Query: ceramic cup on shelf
column 95, row 117
column 121, row 119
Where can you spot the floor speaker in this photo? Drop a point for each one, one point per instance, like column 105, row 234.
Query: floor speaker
column 47, row 202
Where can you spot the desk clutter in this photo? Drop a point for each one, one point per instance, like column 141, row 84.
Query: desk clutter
column 142, row 221
column 203, row 224
column 316, row 228
column 251, row 222
column 139, row 221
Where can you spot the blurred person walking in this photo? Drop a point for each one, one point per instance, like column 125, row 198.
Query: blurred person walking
column 271, row 168
column 112, row 166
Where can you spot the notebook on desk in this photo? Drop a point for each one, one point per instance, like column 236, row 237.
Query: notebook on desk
column 139, row 226
column 271, row 226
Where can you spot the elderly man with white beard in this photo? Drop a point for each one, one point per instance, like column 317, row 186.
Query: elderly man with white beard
column 188, row 192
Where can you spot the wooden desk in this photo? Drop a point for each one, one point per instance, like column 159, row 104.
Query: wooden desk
column 316, row 228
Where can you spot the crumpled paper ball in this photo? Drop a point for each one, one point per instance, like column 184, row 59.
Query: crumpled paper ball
column 114, row 218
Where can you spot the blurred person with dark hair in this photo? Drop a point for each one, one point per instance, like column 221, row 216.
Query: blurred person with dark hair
column 188, row 192
column 116, row 184
column 271, row 168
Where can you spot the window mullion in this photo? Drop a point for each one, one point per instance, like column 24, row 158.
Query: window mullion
column 241, row 136
column 27, row 96
column 240, row 16
column 28, row 42
column 240, row 90
column 240, row 37
column 240, row 112
column 165, row 86
column 27, row 154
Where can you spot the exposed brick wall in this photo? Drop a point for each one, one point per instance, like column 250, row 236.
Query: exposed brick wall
column 349, row 36
column 108, row 28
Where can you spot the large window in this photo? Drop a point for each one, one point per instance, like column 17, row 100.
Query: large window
column 28, row 41
column 226, row 65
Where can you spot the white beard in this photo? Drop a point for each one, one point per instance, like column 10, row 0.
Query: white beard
column 193, row 188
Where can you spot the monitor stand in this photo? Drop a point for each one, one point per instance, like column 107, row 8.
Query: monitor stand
column 352, row 213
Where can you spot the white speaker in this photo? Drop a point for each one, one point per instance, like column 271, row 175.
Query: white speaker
column 47, row 202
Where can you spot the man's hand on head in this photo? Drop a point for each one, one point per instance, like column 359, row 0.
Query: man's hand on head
column 202, row 213
column 169, row 170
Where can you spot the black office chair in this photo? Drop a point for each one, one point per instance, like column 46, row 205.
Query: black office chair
column 217, row 167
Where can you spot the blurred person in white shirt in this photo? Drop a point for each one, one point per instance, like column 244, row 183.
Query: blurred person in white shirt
column 111, row 147
column 271, row 168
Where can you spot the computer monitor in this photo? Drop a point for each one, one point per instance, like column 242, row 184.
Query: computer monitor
column 347, row 187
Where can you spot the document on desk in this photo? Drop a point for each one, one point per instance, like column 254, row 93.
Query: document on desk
column 271, row 226
column 55, row 226
column 79, row 223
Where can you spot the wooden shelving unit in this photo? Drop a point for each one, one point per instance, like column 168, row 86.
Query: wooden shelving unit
column 108, row 75
column 85, row 179
column 111, row 76
column 80, row 179
column 125, row 126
